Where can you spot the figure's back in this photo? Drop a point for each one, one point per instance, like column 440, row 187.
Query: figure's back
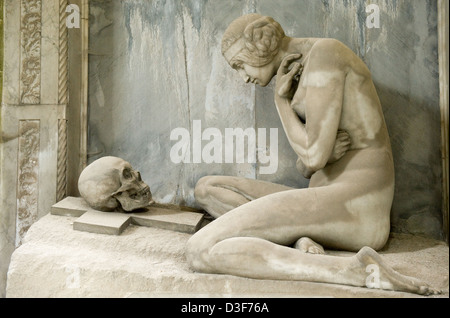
column 362, row 115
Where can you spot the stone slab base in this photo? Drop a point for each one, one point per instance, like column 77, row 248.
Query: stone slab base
column 114, row 223
column 102, row 222
column 57, row 261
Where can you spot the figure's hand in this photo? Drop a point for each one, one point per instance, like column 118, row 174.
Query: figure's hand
column 288, row 73
column 342, row 145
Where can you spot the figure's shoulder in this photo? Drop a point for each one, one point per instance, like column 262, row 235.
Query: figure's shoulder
column 329, row 44
column 331, row 51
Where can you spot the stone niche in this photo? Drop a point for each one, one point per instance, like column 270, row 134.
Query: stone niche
column 156, row 66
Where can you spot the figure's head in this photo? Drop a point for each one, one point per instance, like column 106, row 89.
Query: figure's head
column 250, row 45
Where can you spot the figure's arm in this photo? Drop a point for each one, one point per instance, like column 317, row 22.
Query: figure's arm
column 314, row 141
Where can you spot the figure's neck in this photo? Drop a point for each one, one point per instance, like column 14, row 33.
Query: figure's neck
column 294, row 46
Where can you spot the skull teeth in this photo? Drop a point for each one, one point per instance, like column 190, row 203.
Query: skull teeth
column 143, row 193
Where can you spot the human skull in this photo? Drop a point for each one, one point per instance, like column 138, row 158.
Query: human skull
column 110, row 183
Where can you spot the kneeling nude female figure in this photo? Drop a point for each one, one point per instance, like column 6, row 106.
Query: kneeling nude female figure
column 333, row 120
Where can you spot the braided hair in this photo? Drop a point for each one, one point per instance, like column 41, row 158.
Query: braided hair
column 261, row 36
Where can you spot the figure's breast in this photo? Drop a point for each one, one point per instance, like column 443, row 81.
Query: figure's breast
column 361, row 116
column 298, row 103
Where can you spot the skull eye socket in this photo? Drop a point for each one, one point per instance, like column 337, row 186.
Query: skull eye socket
column 127, row 174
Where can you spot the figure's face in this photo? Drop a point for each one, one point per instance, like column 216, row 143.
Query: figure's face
column 256, row 75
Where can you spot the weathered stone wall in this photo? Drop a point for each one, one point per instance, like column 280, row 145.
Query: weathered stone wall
column 30, row 113
column 156, row 66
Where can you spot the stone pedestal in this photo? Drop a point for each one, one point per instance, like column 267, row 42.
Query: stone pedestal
column 58, row 261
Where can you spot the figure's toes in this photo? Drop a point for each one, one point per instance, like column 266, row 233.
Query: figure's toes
column 316, row 250
column 392, row 280
column 301, row 248
column 306, row 245
column 429, row 291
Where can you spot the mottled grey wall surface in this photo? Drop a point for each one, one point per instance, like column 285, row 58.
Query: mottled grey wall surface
column 156, row 65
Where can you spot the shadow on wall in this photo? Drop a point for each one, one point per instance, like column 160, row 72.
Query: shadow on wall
column 415, row 143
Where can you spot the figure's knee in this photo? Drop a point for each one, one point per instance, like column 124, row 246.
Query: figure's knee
column 196, row 251
column 201, row 189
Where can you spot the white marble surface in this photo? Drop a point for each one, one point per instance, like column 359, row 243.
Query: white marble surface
column 57, row 261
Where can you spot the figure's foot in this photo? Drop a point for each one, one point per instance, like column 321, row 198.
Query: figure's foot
column 306, row 245
column 381, row 276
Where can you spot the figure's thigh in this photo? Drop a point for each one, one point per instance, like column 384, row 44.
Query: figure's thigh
column 286, row 216
column 220, row 194
column 248, row 188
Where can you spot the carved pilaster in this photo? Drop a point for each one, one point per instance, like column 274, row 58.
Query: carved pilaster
column 443, row 81
column 27, row 177
column 63, row 68
column 63, row 99
column 61, row 182
column 30, row 72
